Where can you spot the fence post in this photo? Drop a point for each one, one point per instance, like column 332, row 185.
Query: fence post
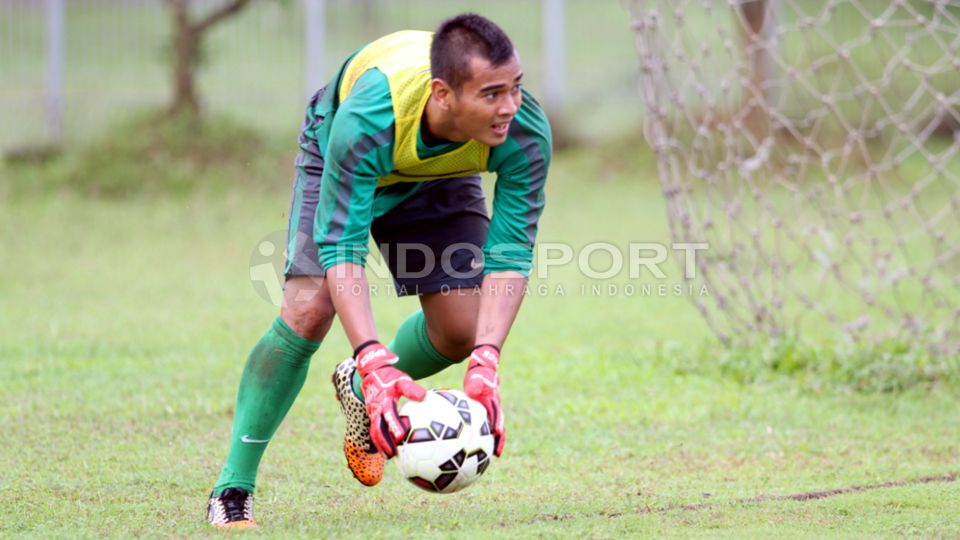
column 553, row 53
column 315, row 30
column 55, row 48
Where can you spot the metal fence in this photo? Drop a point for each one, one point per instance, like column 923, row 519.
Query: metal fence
column 69, row 69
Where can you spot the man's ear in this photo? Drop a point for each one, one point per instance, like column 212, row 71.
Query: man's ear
column 441, row 92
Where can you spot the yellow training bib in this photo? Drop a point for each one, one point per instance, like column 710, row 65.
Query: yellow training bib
column 404, row 57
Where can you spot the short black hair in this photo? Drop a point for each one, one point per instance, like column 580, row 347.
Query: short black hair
column 461, row 37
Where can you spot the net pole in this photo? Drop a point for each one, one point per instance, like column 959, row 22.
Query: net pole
column 315, row 30
column 554, row 21
column 55, row 54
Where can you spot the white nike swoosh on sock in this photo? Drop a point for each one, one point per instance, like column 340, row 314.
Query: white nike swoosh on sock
column 248, row 440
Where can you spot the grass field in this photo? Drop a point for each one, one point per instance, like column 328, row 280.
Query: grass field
column 125, row 325
column 126, row 317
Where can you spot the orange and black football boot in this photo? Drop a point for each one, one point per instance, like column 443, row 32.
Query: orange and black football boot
column 363, row 458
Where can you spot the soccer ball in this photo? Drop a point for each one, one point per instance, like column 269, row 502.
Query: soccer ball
column 449, row 444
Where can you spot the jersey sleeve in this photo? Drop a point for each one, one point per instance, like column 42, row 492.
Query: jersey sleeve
column 358, row 150
column 521, row 164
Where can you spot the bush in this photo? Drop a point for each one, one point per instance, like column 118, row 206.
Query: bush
column 152, row 154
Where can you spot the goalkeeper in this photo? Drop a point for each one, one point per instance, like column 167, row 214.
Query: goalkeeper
column 393, row 146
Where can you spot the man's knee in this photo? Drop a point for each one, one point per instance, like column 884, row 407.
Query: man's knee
column 307, row 310
column 455, row 342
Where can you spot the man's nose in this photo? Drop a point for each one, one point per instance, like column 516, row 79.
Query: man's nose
column 508, row 106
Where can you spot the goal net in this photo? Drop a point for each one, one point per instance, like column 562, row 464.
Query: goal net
column 815, row 146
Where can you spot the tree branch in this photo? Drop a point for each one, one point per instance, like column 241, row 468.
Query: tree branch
column 224, row 11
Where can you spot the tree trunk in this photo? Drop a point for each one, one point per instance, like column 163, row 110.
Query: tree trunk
column 187, row 37
column 755, row 106
column 185, row 44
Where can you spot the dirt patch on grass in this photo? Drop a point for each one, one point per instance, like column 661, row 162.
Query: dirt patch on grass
column 803, row 496
column 813, row 495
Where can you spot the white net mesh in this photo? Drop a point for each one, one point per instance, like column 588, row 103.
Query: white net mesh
column 814, row 145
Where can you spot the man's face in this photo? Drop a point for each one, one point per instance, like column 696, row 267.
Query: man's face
column 486, row 104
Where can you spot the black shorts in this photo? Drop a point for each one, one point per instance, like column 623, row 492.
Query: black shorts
column 431, row 242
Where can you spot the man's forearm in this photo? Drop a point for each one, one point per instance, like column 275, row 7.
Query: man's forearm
column 351, row 298
column 502, row 294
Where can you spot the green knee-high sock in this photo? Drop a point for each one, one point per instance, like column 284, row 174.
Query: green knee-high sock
column 274, row 374
column 418, row 357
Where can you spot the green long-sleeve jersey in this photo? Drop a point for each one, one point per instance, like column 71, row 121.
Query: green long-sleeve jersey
column 356, row 139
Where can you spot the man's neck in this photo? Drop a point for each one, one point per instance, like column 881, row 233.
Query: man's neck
column 436, row 127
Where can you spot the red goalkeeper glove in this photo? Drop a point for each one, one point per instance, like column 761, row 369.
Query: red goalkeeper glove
column 382, row 386
column 482, row 384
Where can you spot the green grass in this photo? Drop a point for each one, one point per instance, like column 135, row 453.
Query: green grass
column 126, row 324
column 126, row 320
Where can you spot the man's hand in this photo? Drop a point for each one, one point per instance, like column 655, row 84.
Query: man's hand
column 482, row 384
column 382, row 386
